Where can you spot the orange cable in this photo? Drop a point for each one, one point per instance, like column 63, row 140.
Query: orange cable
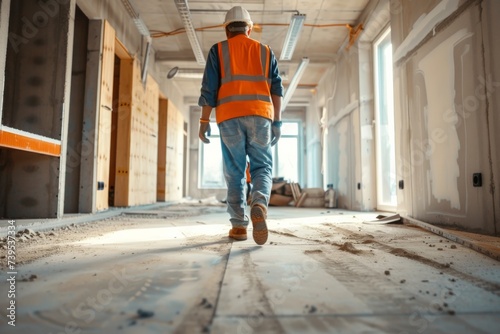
column 158, row 34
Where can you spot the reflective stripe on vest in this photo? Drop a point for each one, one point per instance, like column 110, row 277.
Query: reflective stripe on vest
column 227, row 66
column 229, row 77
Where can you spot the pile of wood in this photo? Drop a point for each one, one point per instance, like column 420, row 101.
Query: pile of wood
column 285, row 193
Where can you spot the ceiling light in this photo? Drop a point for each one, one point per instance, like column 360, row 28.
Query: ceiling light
column 294, row 82
column 187, row 73
column 292, row 36
column 183, row 8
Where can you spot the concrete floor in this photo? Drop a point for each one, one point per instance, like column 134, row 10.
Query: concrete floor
column 172, row 269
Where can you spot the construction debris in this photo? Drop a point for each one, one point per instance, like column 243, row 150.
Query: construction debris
column 284, row 193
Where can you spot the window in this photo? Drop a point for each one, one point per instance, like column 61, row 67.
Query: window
column 285, row 157
column 384, row 124
column 210, row 168
column 286, row 152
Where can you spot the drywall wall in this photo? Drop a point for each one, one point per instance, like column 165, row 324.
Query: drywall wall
column 490, row 24
column 345, row 96
column 338, row 90
column 439, row 53
column 445, row 99
column 313, row 151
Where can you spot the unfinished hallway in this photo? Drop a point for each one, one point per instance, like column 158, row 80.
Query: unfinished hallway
column 111, row 214
column 172, row 269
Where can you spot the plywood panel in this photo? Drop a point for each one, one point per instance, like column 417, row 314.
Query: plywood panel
column 123, row 133
column 105, row 116
column 162, row 150
column 137, row 138
column 144, row 148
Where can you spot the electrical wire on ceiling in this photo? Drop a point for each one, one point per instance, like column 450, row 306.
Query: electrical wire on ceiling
column 159, row 34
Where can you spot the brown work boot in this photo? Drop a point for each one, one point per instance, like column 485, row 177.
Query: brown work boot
column 258, row 216
column 238, row 233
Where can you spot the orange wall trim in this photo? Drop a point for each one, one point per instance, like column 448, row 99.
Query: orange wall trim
column 21, row 140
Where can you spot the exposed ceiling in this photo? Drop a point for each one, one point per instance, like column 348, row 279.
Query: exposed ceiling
column 326, row 29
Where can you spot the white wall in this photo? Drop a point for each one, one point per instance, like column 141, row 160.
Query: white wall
column 446, row 90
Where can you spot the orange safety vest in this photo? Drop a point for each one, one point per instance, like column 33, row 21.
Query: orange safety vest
column 245, row 84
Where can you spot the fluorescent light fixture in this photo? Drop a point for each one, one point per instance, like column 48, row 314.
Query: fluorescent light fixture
column 292, row 36
column 183, row 9
column 294, row 82
column 186, row 73
column 132, row 12
column 144, row 70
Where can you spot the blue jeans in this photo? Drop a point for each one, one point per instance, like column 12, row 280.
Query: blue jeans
column 241, row 137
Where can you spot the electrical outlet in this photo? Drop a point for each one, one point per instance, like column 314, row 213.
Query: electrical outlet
column 477, row 180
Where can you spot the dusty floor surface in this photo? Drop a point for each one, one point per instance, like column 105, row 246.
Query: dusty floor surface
column 172, row 269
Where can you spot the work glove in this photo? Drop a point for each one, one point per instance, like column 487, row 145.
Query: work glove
column 275, row 134
column 204, row 128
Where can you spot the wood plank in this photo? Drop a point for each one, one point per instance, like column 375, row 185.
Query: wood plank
column 137, row 138
column 162, row 150
column 295, row 191
column 123, row 158
column 121, row 51
column 21, row 140
column 301, row 200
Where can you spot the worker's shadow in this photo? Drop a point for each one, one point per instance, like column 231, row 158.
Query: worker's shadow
column 223, row 244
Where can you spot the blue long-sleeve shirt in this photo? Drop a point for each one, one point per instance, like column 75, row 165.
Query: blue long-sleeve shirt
column 211, row 79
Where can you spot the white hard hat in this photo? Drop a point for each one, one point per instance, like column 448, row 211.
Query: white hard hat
column 238, row 14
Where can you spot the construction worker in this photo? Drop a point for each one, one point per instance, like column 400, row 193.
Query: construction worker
column 242, row 82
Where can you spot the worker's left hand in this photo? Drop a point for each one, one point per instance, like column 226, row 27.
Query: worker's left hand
column 204, row 128
column 275, row 134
